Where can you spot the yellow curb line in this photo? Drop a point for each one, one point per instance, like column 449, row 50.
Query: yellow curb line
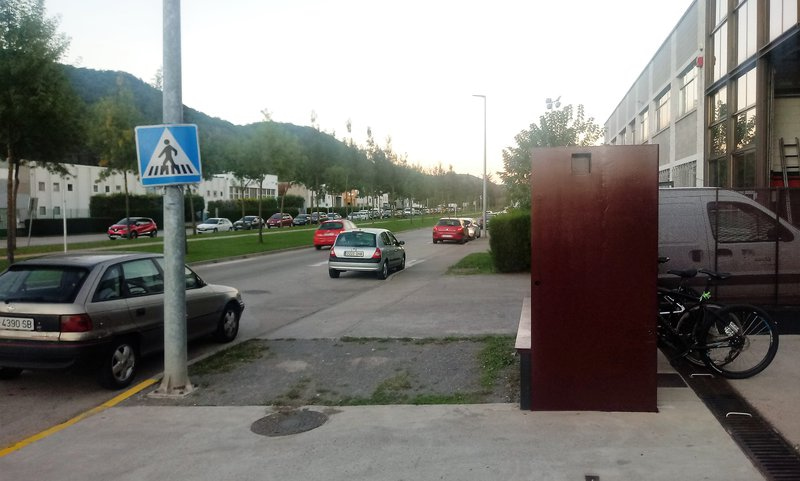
column 47, row 432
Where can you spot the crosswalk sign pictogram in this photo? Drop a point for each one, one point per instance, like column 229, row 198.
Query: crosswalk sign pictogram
column 168, row 154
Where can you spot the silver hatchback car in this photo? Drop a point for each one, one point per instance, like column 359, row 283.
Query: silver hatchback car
column 104, row 308
column 371, row 250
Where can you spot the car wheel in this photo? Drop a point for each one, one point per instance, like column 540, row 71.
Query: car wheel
column 118, row 364
column 384, row 272
column 215, row 231
column 10, row 372
column 134, row 235
column 333, row 273
column 228, row 326
column 318, row 247
column 154, row 234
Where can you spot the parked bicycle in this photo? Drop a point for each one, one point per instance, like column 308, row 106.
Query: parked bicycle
column 736, row 341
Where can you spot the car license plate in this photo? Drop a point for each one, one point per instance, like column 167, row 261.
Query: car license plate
column 16, row 323
column 353, row 254
column 447, row 235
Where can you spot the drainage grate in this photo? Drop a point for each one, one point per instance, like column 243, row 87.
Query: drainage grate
column 767, row 449
column 286, row 423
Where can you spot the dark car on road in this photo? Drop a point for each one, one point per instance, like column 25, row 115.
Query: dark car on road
column 248, row 222
column 133, row 227
column 103, row 309
column 302, row 219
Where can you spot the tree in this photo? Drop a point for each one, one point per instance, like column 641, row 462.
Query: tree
column 556, row 128
column 111, row 135
column 38, row 111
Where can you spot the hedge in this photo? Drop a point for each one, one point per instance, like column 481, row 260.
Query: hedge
column 510, row 242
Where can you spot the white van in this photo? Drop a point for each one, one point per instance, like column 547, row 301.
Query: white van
column 726, row 231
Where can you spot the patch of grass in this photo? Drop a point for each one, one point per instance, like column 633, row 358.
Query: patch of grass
column 476, row 263
column 497, row 355
column 229, row 359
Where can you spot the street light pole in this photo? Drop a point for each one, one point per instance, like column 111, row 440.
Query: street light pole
column 483, row 209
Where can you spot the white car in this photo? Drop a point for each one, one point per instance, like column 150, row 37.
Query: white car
column 215, row 224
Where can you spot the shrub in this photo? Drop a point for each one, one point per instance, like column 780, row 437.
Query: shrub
column 510, row 242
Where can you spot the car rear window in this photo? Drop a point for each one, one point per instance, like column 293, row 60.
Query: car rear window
column 356, row 239
column 448, row 222
column 331, row 226
column 54, row 284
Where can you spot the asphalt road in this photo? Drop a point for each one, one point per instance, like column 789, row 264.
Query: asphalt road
column 280, row 290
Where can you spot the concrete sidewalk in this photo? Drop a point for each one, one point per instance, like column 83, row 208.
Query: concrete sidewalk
column 396, row 442
column 455, row 442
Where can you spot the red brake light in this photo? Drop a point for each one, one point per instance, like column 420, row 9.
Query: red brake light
column 376, row 254
column 333, row 253
column 76, row 323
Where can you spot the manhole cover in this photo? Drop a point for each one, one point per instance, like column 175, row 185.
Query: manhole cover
column 286, row 423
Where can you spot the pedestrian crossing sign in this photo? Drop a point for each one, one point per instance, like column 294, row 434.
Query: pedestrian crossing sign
column 168, row 154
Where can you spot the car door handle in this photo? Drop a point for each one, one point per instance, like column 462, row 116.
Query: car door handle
column 140, row 311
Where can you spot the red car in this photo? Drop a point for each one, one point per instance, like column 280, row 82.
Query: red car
column 450, row 229
column 279, row 220
column 327, row 231
column 138, row 226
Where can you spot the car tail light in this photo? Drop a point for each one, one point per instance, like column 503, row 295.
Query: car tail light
column 76, row 323
column 333, row 253
column 376, row 254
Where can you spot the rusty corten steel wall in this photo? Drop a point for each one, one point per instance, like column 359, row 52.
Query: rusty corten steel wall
column 594, row 235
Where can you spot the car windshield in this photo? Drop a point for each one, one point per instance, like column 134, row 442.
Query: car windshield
column 275, row 216
column 356, row 239
column 54, row 284
column 250, row 218
column 125, row 221
column 331, row 226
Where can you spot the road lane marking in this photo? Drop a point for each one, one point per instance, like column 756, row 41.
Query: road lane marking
column 59, row 427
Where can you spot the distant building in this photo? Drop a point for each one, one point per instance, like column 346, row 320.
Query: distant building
column 721, row 97
column 47, row 195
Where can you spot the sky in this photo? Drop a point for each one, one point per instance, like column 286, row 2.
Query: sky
column 408, row 70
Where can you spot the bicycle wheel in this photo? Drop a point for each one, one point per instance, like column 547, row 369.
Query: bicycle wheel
column 739, row 341
column 689, row 328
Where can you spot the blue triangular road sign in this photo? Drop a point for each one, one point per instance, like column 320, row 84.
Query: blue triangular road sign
column 168, row 155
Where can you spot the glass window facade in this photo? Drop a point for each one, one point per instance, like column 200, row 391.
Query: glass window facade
column 720, row 49
column 745, row 124
column 644, row 126
column 688, row 90
column 746, row 25
column 782, row 15
column 662, row 111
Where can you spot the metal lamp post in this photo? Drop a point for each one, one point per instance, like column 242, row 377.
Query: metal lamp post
column 483, row 207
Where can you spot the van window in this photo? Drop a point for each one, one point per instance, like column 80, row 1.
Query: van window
column 739, row 222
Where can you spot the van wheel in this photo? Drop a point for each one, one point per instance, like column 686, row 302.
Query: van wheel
column 10, row 372
column 228, row 326
column 118, row 364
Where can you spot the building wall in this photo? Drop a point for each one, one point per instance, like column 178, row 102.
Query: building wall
column 680, row 140
column 54, row 194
